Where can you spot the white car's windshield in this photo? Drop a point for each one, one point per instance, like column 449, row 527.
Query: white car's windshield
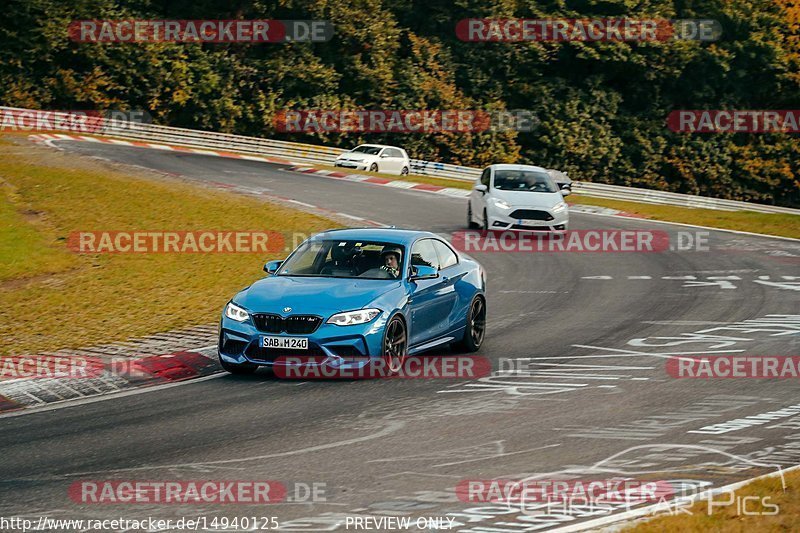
column 364, row 149
column 337, row 258
column 524, row 180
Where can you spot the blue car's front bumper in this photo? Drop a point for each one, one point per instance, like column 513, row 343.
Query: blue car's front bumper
column 240, row 342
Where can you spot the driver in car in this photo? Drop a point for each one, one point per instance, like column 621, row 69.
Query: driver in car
column 390, row 255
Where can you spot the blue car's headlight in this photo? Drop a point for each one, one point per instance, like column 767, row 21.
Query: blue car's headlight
column 234, row 312
column 349, row 318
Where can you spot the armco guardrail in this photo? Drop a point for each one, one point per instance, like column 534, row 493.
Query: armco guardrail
column 312, row 154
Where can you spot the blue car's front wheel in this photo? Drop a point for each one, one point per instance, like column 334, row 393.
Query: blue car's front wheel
column 395, row 344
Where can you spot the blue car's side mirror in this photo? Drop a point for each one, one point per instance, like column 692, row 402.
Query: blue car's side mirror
column 423, row 272
column 271, row 267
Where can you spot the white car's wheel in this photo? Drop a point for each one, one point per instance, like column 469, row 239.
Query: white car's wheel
column 470, row 219
column 373, row 167
column 485, row 220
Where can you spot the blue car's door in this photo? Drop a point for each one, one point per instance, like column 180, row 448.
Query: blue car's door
column 432, row 300
column 451, row 272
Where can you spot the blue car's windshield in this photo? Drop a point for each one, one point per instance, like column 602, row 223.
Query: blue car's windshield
column 337, row 258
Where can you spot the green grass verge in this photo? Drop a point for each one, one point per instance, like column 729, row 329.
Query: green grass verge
column 767, row 223
column 52, row 298
column 27, row 245
column 728, row 519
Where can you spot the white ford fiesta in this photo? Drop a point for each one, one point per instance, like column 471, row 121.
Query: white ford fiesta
column 376, row 158
column 517, row 197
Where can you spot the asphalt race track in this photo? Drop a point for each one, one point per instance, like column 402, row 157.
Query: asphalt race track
column 587, row 333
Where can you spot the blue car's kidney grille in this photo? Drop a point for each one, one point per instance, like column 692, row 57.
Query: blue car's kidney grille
column 292, row 324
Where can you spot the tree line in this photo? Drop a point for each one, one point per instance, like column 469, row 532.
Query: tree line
column 600, row 107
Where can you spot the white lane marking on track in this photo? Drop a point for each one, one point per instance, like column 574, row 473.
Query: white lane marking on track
column 533, row 292
column 634, row 353
column 298, row 202
column 683, row 323
column 790, row 285
column 579, row 366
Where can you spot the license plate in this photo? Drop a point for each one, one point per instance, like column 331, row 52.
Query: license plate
column 285, row 343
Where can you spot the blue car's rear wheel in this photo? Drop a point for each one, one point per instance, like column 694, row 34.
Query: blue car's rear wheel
column 475, row 329
column 395, row 345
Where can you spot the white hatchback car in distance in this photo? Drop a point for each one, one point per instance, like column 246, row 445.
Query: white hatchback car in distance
column 518, row 198
column 376, row 158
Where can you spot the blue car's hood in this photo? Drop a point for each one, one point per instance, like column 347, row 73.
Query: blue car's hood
column 319, row 296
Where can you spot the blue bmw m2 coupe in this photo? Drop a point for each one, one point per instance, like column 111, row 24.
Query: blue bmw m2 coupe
column 350, row 296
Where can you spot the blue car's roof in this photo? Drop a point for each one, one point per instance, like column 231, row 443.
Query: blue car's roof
column 394, row 235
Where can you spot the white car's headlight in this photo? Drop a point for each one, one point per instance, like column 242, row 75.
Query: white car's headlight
column 559, row 207
column 502, row 204
column 349, row 318
column 234, row 312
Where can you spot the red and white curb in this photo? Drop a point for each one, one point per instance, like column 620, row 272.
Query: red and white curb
column 157, row 359
column 375, row 180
